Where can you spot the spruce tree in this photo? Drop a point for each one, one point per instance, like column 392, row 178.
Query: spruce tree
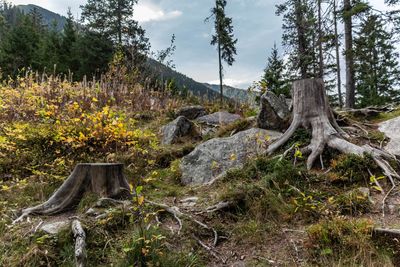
column 274, row 74
column 299, row 24
column 223, row 39
column 376, row 63
column 113, row 20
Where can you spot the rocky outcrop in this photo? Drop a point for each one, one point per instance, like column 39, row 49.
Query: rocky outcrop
column 192, row 112
column 274, row 113
column 175, row 130
column 391, row 129
column 216, row 156
column 219, row 118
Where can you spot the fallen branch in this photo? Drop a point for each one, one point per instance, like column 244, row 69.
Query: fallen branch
column 391, row 232
column 80, row 243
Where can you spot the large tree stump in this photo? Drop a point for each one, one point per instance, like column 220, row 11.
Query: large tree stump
column 104, row 179
column 311, row 110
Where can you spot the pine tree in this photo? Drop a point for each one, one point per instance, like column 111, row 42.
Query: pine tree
column 68, row 60
column 273, row 74
column 376, row 63
column 113, row 20
column 223, row 39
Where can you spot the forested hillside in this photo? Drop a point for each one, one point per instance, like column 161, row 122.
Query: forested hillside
column 110, row 156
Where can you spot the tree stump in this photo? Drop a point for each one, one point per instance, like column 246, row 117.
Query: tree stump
column 311, row 110
column 104, row 179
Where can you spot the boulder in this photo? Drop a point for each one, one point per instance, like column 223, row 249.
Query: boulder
column 192, row 112
column 274, row 113
column 219, row 118
column 216, row 156
column 391, row 129
column 180, row 127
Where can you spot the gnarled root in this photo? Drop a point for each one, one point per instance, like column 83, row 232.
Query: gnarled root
column 311, row 110
column 104, row 179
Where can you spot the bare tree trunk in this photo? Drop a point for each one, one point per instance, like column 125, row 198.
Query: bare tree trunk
column 312, row 111
column 103, row 179
column 338, row 68
column 221, row 87
column 348, row 35
column 320, row 52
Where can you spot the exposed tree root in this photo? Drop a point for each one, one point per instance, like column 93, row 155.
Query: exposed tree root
column 80, row 243
column 311, row 110
column 179, row 216
column 104, row 179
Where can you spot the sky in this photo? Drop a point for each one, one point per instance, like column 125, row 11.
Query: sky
column 255, row 25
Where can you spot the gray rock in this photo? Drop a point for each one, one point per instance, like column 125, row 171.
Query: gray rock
column 274, row 113
column 54, row 228
column 216, row 156
column 391, row 129
column 180, row 127
column 192, row 112
column 219, row 118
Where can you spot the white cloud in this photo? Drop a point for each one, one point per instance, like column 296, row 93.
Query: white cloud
column 238, row 83
column 146, row 12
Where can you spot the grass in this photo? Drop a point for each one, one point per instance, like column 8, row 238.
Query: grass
column 343, row 241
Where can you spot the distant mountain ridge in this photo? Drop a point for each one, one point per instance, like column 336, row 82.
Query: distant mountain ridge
column 48, row 16
column 239, row 95
column 210, row 91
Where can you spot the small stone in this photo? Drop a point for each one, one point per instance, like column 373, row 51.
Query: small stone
column 178, row 128
column 54, row 227
column 192, row 112
column 391, row 209
column 242, row 257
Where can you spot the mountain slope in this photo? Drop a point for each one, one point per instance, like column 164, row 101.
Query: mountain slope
column 239, row 95
column 48, row 16
column 158, row 70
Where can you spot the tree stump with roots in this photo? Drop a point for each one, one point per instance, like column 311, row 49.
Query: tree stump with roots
column 104, row 179
column 311, row 110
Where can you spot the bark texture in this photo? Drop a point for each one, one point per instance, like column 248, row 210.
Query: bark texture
column 312, row 111
column 80, row 243
column 103, row 179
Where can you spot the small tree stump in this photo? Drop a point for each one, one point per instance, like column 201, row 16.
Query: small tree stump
column 104, row 179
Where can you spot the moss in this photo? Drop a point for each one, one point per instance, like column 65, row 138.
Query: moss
column 344, row 242
column 354, row 202
column 352, row 169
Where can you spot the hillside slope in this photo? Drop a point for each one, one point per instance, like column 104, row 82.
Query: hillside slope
column 48, row 16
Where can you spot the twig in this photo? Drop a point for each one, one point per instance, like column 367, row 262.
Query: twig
column 384, row 200
column 209, row 249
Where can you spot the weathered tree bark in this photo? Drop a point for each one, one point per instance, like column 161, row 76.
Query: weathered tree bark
column 338, row 68
column 103, row 179
column 80, row 243
column 311, row 110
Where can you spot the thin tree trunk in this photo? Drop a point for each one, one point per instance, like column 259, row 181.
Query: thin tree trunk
column 321, row 56
column 348, row 32
column 338, row 68
column 221, row 87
